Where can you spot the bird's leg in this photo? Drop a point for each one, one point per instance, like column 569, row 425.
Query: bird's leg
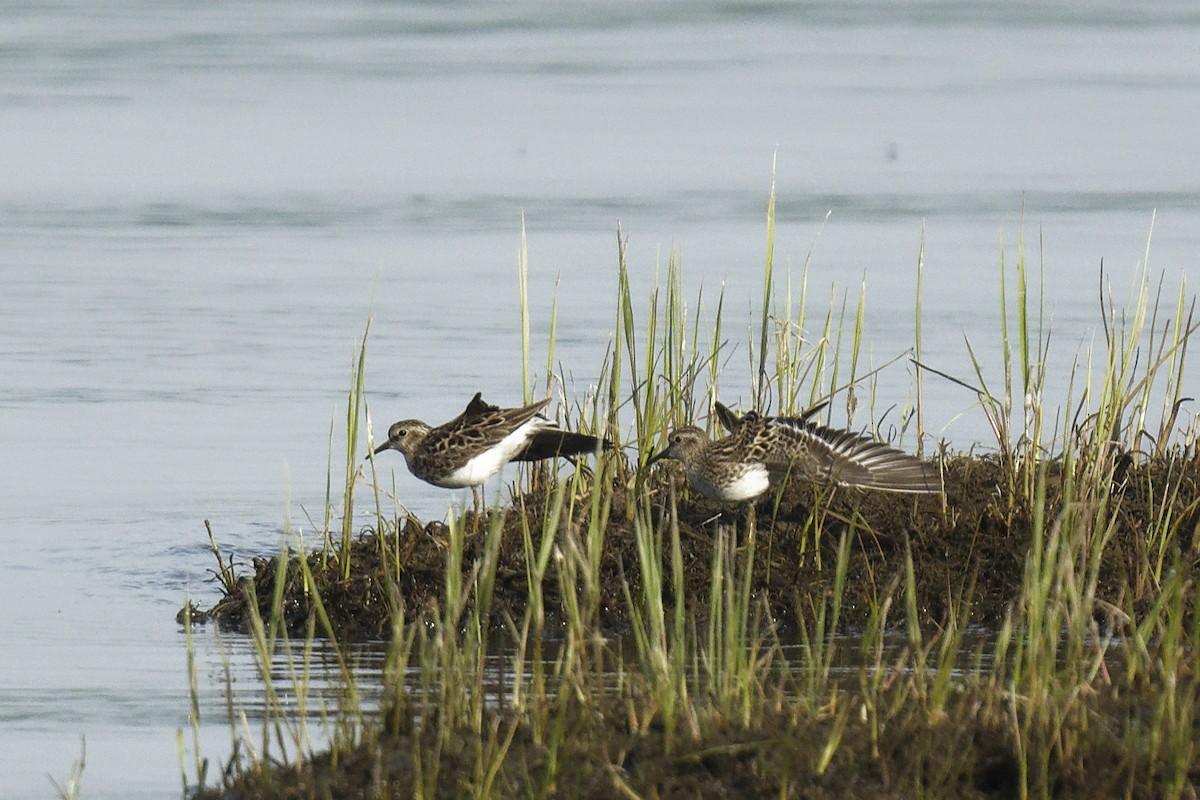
column 476, row 503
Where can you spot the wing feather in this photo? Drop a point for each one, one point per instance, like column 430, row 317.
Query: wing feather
column 482, row 426
column 854, row 459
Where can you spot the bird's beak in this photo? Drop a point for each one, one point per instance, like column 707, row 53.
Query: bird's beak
column 385, row 446
column 658, row 457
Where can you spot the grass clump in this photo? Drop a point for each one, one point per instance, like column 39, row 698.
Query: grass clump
column 1032, row 633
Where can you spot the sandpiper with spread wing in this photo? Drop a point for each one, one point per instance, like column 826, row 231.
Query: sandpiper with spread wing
column 473, row 446
column 760, row 451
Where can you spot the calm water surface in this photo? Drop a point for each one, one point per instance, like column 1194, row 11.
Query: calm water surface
column 201, row 205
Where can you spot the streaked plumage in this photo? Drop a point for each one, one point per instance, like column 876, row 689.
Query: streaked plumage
column 473, row 446
column 760, row 451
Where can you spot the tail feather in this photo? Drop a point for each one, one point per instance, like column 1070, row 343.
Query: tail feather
column 552, row 443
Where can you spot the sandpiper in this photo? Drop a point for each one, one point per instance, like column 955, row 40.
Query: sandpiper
column 760, row 450
column 473, row 446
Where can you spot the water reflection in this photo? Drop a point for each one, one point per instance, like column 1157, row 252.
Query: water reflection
column 319, row 690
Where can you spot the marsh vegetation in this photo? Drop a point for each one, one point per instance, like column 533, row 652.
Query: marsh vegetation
column 1030, row 632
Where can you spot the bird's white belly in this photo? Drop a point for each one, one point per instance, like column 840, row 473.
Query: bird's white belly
column 479, row 468
column 753, row 481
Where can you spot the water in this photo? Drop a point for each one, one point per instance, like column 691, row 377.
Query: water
column 200, row 206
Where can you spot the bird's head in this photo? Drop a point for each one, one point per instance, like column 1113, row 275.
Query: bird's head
column 683, row 444
column 405, row 436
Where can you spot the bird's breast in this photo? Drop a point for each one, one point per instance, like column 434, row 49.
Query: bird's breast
column 483, row 464
column 744, row 483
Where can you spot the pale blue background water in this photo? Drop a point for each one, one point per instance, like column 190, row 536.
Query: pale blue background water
column 201, row 203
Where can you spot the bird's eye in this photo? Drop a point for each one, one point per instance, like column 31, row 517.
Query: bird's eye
column 401, row 433
column 677, row 438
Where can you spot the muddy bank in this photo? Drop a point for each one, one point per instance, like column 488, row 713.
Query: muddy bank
column 970, row 544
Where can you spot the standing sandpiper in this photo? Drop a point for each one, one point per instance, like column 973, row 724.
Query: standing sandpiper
column 760, row 450
column 473, row 446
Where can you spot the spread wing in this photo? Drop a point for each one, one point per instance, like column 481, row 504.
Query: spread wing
column 849, row 458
